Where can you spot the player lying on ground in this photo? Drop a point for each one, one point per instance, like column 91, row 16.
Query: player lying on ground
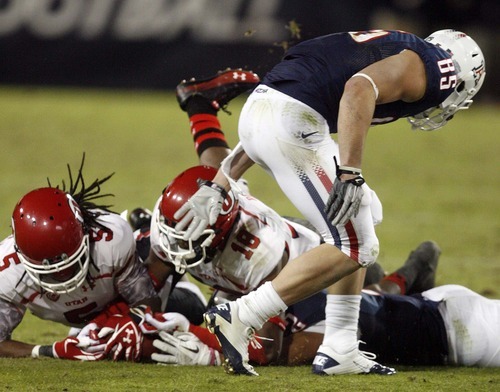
column 67, row 260
column 445, row 325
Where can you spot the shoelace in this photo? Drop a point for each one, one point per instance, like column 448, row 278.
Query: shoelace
column 367, row 354
column 255, row 343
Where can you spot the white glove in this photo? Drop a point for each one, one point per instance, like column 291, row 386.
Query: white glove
column 89, row 340
column 172, row 322
column 201, row 210
column 184, row 348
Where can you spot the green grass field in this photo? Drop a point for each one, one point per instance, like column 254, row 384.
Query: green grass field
column 442, row 185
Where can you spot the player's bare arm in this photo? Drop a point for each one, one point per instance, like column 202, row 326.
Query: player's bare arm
column 10, row 317
column 15, row 349
column 158, row 269
column 399, row 77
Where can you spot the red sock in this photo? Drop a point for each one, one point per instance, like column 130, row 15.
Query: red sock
column 205, row 336
column 257, row 354
column 397, row 279
column 206, row 131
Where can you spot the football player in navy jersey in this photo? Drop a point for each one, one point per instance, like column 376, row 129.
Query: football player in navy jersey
column 340, row 83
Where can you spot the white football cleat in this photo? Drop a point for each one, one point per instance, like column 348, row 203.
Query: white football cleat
column 234, row 336
column 328, row 362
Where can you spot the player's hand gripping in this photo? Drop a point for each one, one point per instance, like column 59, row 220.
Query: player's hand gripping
column 169, row 322
column 88, row 336
column 123, row 338
column 184, row 348
column 65, row 349
column 201, row 210
column 345, row 196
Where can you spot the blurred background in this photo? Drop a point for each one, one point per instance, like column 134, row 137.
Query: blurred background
column 153, row 44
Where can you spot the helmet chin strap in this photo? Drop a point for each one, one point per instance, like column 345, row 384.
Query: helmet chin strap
column 180, row 265
column 207, row 242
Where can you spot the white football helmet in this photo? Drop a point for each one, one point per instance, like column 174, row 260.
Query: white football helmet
column 470, row 66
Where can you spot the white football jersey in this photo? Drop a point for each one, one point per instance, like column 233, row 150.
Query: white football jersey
column 113, row 268
column 260, row 244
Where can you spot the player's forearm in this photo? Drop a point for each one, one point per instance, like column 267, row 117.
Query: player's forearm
column 15, row 349
column 355, row 115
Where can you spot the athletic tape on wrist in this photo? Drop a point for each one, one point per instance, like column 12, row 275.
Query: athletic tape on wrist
column 346, row 169
column 215, row 186
column 35, row 353
column 42, row 351
column 349, row 170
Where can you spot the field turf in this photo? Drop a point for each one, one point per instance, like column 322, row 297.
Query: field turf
column 442, row 185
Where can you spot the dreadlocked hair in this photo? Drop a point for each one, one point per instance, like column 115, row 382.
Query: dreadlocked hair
column 85, row 196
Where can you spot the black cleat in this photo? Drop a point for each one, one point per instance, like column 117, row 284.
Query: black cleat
column 424, row 261
column 218, row 89
column 374, row 273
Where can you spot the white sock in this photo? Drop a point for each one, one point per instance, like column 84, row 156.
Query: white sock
column 342, row 315
column 260, row 305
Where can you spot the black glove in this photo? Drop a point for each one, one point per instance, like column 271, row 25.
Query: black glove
column 345, row 196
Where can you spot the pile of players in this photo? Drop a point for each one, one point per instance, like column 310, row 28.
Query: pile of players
column 287, row 291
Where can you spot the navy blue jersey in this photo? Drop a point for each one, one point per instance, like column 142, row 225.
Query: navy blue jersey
column 315, row 71
column 305, row 313
column 400, row 329
column 403, row 329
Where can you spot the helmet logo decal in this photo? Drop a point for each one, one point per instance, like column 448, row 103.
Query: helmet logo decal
column 75, row 208
column 228, row 204
column 478, row 73
column 52, row 296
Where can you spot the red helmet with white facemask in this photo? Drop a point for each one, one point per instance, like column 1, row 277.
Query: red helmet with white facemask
column 187, row 253
column 50, row 239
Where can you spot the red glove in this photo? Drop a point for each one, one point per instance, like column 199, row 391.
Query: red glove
column 88, row 335
column 65, row 349
column 118, row 330
column 112, row 309
column 126, row 338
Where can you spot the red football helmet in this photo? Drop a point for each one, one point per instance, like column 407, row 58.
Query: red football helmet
column 185, row 254
column 47, row 225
